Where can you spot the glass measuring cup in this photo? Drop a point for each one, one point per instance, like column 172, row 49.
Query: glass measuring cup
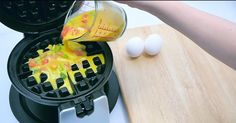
column 94, row 21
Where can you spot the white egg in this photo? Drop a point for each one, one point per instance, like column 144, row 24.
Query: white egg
column 135, row 47
column 153, row 44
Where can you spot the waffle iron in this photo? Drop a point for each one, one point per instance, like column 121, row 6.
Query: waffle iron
column 41, row 22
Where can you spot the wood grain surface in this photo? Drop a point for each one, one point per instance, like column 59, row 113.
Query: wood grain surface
column 182, row 84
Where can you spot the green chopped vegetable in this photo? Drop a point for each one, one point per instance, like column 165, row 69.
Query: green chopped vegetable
column 40, row 51
column 66, row 56
column 57, row 48
column 63, row 76
column 36, row 70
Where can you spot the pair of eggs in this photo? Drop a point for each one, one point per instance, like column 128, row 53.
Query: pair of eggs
column 152, row 45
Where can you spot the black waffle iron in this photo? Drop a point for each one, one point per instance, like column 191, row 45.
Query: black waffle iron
column 41, row 22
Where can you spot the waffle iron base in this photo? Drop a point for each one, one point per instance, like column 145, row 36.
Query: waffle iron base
column 23, row 115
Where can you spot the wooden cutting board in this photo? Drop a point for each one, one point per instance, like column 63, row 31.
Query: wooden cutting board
column 183, row 84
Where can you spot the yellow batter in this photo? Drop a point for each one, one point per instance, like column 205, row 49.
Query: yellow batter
column 103, row 25
column 57, row 62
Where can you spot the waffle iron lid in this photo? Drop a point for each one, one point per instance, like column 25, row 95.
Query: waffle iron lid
column 33, row 16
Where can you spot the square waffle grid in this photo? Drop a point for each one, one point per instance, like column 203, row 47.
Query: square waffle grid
column 35, row 11
column 45, row 89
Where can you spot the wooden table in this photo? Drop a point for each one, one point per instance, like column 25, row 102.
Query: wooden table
column 183, row 84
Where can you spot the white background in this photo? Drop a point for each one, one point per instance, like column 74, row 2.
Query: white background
column 9, row 38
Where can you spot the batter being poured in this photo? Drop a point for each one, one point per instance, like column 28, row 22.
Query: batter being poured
column 63, row 61
column 60, row 63
column 93, row 26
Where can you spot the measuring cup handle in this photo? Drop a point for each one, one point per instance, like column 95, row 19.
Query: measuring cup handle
column 100, row 113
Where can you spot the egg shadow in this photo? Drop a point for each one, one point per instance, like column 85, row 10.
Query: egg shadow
column 150, row 56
